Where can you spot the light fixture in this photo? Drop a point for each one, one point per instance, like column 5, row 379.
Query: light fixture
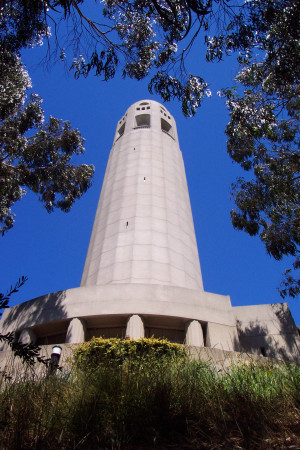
column 55, row 357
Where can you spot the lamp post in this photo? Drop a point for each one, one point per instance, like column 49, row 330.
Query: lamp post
column 55, row 357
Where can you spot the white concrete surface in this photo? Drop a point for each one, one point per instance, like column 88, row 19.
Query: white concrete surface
column 223, row 337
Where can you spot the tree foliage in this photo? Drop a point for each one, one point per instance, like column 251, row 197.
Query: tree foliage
column 33, row 154
column 4, row 298
column 263, row 132
column 140, row 37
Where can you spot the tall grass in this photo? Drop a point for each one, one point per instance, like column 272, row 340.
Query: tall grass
column 170, row 402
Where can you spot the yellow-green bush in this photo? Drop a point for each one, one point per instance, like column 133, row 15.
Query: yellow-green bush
column 116, row 351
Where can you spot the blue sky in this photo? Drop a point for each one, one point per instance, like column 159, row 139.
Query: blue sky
column 50, row 248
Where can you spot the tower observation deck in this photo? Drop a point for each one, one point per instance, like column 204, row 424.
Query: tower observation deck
column 142, row 274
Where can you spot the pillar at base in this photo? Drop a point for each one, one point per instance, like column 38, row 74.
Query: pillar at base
column 194, row 334
column 27, row 336
column 135, row 327
column 76, row 331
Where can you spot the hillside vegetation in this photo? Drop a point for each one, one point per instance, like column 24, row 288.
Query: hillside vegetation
column 146, row 394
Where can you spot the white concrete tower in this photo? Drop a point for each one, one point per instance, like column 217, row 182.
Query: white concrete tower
column 142, row 274
column 143, row 230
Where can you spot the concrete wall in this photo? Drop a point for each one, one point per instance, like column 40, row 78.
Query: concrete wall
column 268, row 329
column 222, row 336
column 218, row 359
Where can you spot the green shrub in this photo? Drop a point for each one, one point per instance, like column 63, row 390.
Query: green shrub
column 115, row 351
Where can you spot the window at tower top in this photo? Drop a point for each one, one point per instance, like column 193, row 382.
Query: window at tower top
column 166, row 127
column 121, row 130
column 142, row 121
column 143, row 106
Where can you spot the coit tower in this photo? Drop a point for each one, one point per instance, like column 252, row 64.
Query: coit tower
column 142, row 274
column 143, row 230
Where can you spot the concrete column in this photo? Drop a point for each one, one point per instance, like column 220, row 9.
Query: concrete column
column 223, row 337
column 194, row 334
column 135, row 327
column 76, row 331
column 27, row 336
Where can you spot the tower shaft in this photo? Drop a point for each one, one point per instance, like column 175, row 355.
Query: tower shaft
column 143, row 230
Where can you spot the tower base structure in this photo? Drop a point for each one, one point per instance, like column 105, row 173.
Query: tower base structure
column 186, row 316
